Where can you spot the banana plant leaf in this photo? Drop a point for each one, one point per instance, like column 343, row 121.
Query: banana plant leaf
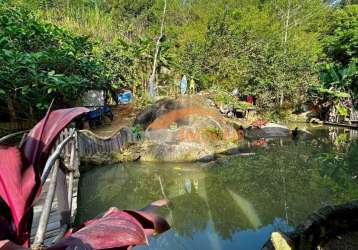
column 20, row 171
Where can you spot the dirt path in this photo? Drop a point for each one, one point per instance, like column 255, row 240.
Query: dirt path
column 124, row 116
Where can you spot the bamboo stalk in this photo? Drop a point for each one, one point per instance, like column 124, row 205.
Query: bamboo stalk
column 41, row 230
column 23, row 139
column 70, row 174
column 62, row 194
column 9, row 136
column 52, row 159
column 77, row 163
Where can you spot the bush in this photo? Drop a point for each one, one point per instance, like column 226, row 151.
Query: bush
column 39, row 62
column 277, row 114
column 222, row 97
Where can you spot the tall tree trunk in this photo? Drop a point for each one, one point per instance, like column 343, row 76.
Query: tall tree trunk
column 287, row 22
column 11, row 108
column 281, row 98
column 46, row 9
column 285, row 39
column 152, row 82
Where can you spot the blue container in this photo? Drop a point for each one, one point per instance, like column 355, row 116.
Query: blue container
column 125, row 97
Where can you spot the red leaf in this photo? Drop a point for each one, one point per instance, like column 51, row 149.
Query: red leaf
column 41, row 138
column 116, row 228
column 9, row 245
column 20, row 171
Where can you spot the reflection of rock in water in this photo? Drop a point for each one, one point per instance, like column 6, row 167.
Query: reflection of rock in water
column 190, row 214
column 214, row 239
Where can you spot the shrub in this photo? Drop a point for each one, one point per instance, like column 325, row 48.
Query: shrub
column 39, row 62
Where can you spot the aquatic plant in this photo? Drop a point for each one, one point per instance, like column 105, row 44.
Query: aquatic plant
column 138, row 131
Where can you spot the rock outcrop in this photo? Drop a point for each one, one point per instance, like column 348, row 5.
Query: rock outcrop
column 269, row 130
column 184, row 130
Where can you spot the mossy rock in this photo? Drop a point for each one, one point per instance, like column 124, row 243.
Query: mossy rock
column 183, row 152
column 132, row 153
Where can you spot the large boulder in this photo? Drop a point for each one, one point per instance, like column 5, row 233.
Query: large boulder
column 185, row 130
column 152, row 112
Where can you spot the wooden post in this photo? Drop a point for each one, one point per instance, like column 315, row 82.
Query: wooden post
column 41, row 230
column 62, row 194
column 71, row 171
column 52, row 158
column 63, row 205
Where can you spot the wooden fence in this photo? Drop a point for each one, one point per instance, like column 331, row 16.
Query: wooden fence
column 353, row 115
column 91, row 144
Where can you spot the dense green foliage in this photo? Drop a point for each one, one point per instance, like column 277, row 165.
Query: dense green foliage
column 341, row 47
column 40, row 61
column 341, row 41
column 274, row 50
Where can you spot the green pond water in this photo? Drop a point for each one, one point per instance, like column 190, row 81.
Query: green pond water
column 235, row 202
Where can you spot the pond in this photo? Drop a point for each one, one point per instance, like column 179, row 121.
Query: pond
column 236, row 201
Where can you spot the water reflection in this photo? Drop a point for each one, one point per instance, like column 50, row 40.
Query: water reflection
column 236, row 202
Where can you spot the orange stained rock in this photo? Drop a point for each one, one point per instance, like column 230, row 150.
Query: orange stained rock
column 165, row 120
column 199, row 135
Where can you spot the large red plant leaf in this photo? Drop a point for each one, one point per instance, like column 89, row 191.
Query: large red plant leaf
column 41, row 138
column 115, row 229
column 119, row 229
column 20, row 170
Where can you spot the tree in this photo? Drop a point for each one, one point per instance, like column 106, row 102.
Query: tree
column 341, row 40
column 340, row 46
column 152, row 84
